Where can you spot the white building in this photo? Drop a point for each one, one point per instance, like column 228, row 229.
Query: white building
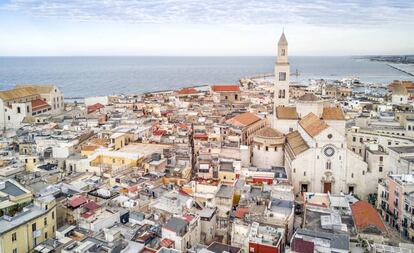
column 316, row 156
column 268, row 148
column 399, row 95
column 25, row 103
column 184, row 232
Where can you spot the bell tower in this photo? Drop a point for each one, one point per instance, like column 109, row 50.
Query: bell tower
column 282, row 73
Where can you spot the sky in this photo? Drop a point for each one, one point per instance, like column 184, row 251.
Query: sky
column 205, row 27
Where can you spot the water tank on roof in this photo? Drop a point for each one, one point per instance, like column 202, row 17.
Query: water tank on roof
column 189, row 203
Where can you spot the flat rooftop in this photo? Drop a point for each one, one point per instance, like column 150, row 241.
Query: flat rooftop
column 402, row 150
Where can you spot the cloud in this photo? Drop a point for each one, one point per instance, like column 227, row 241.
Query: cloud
column 284, row 12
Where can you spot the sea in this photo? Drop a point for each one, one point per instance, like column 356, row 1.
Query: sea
column 80, row 77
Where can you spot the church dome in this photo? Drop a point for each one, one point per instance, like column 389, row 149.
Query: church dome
column 269, row 132
column 269, row 136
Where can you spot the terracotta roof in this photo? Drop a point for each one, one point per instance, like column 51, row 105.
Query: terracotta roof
column 399, row 90
column 39, row 104
column 94, row 107
column 243, row 119
column 41, row 89
column 91, row 206
column 333, row 113
column 308, row 97
column 240, row 212
column 225, row 88
column 312, row 124
column 296, row 143
column 269, row 132
column 76, row 201
column 17, row 93
column 366, row 217
column 87, row 215
column 89, row 148
column 406, row 84
column 186, row 91
column 283, row 112
column 301, row 246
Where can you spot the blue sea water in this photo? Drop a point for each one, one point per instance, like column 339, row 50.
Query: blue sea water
column 89, row 76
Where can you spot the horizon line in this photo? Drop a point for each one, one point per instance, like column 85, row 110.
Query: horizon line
column 45, row 56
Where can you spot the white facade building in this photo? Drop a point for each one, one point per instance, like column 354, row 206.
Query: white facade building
column 25, row 103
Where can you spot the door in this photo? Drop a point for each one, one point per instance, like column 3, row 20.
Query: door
column 327, row 187
column 304, row 188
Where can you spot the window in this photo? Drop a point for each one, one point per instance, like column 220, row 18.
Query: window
column 15, row 250
column 14, row 237
column 53, row 215
column 354, row 139
column 380, row 168
column 381, row 158
column 28, row 108
column 34, row 227
column 45, row 235
column 283, row 52
column 363, row 172
column 329, row 136
column 352, row 175
column 8, row 117
column 294, row 170
column 275, row 148
column 304, row 173
column 282, row 76
column 18, row 109
column 328, row 165
column 267, row 148
column 45, row 221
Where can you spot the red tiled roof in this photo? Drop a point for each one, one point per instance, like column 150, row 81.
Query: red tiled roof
column 365, row 216
column 39, row 104
column 243, row 119
column 87, row 215
column 182, row 125
column 159, row 132
column 201, row 136
column 76, row 201
column 186, row 91
column 225, row 88
column 241, row 212
column 166, row 242
column 302, row 246
column 312, row 124
column 91, row 206
column 94, row 107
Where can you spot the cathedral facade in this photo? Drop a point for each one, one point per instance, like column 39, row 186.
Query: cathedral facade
column 316, row 157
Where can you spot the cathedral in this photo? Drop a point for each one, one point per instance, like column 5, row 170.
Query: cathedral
column 316, row 157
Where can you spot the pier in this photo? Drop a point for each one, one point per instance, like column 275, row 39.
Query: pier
column 399, row 68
